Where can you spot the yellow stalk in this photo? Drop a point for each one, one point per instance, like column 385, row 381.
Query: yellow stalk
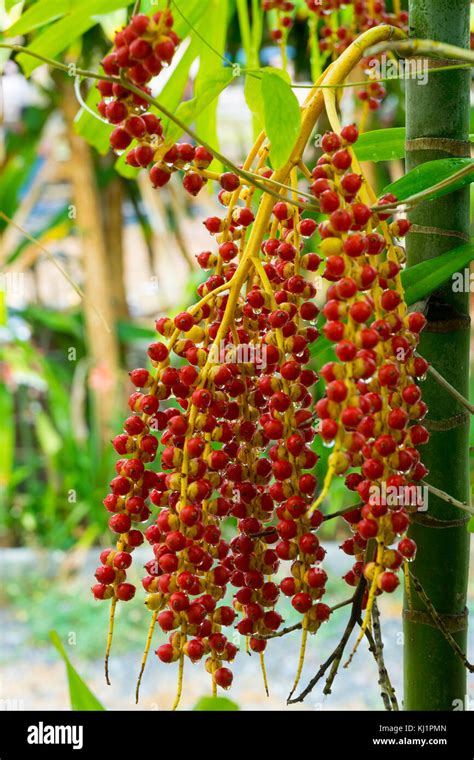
column 110, row 634
column 145, row 654
column 264, row 673
column 304, row 639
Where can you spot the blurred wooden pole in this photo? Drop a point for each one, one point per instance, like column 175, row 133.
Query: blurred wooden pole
column 102, row 342
column 113, row 226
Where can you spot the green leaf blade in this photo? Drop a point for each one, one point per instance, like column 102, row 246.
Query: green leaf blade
column 280, row 101
column 81, row 696
column 422, row 279
column 381, row 145
column 429, row 174
column 37, row 15
column 206, row 94
column 215, row 704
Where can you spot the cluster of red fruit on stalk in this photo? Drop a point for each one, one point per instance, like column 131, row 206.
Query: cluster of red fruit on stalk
column 372, row 407
column 366, row 15
column 284, row 9
column 334, row 41
column 237, row 438
column 141, row 50
column 236, row 443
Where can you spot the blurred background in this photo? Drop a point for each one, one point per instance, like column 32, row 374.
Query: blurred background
column 69, row 218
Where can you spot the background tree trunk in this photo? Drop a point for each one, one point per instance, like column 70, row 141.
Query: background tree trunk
column 438, row 127
column 102, row 342
column 113, row 225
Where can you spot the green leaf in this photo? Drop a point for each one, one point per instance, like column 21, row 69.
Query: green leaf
column 131, row 333
column 207, row 92
column 381, row 145
column 62, row 33
column 172, row 93
column 209, row 64
column 282, row 117
column 9, row 4
column 56, row 227
column 244, row 25
column 422, row 279
column 192, row 10
column 64, row 323
column 15, row 174
column 215, row 704
column 253, row 96
column 38, row 15
column 427, row 175
column 253, row 90
column 79, row 693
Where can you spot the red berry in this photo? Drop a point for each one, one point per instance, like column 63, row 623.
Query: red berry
column 223, row 677
column 125, row 592
column 388, row 581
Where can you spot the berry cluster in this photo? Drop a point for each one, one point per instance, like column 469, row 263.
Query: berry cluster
column 334, row 39
column 238, row 438
column 366, row 14
column 372, row 95
column 237, row 442
column 141, row 50
column 222, row 422
column 284, row 19
column 372, row 407
column 370, row 13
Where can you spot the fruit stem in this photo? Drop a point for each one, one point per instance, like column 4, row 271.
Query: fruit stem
column 145, row 654
column 414, row 200
column 181, row 669
column 304, row 639
column 264, row 673
column 109, row 638
column 451, row 389
column 449, row 499
column 371, row 598
column 424, row 48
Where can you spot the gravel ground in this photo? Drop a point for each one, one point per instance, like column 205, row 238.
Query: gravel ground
column 33, row 675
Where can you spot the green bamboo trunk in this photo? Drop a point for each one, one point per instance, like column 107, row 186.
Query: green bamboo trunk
column 434, row 676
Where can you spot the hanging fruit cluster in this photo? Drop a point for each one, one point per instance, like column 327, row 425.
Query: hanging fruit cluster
column 237, row 444
column 340, row 21
column 372, row 409
column 223, row 424
column 334, row 25
column 284, row 18
column 237, row 441
column 141, row 50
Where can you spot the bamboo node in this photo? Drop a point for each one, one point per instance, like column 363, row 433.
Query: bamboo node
column 452, row 623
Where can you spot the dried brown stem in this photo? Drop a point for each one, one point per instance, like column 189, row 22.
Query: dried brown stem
column 439, row 622
column 335, row 657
